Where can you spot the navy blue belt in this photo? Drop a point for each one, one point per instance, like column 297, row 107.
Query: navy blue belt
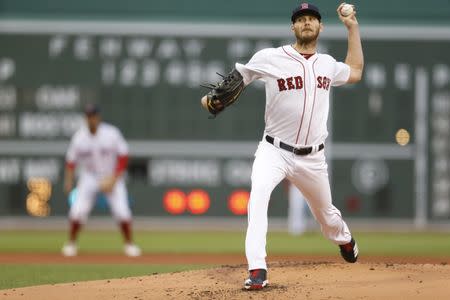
column 297, row 151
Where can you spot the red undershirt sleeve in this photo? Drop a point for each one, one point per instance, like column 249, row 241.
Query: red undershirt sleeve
column 122, row 163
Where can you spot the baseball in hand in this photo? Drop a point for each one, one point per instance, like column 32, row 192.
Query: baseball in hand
column 204, row 102
column 346, row 9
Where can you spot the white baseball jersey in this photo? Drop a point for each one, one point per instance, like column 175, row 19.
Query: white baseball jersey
column 297, row 92
column 97, row 154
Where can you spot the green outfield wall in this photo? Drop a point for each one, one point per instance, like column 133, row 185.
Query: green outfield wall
column 147, row 74
column 262, row 11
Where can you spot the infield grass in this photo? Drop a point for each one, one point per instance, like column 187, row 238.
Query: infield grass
column 408, row 244
column 313, row 243
column 13, row 276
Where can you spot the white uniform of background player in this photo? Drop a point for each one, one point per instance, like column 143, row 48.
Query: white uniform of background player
column 101, row 153
column 297, row 219
column 297, row 82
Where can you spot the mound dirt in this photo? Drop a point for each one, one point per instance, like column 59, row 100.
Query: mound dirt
column 287, row 280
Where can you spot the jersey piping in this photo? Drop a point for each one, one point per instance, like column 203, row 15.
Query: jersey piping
column 304, row 93
column 314, row 102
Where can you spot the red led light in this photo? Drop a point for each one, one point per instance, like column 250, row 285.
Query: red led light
column 238, row 201
column 175, row 202
column 198, row 202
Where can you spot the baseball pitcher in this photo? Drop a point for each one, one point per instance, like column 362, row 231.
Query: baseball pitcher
column 297, row 81
column 101, row 153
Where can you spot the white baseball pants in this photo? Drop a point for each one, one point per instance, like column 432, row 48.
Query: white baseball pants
column 309, row 173
column 88, row 186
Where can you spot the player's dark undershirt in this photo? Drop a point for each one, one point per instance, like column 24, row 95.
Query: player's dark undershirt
column 307, row 56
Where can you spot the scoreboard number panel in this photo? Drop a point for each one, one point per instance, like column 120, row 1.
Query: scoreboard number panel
column 148, row 84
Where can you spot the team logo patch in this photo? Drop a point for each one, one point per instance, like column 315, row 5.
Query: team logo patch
column 304, row 5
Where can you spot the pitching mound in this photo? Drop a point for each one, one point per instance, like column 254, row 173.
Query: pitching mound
column 287, row 280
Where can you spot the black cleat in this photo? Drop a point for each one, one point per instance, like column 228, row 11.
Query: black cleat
column 257, row 280
column 349, row 251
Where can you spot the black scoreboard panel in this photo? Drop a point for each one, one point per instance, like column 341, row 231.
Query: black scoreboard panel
column 149, row 86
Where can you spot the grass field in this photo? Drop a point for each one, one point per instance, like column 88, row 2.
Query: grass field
column 409, row 244
column 19, row 275
column 16, row 275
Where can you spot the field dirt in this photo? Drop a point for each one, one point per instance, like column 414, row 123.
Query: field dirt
column 290, row 277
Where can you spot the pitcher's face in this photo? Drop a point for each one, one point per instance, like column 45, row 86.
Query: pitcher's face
column 307, row 28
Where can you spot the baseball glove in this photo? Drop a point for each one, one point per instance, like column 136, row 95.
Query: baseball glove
column 225, row 92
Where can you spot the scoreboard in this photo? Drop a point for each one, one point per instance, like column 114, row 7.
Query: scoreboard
column 147, row 81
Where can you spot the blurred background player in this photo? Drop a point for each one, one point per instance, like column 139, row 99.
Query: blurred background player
column 101, row 153
column 297, row 219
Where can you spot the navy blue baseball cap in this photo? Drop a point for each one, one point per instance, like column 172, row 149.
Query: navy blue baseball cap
column 305, row 9
column 91, row 109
